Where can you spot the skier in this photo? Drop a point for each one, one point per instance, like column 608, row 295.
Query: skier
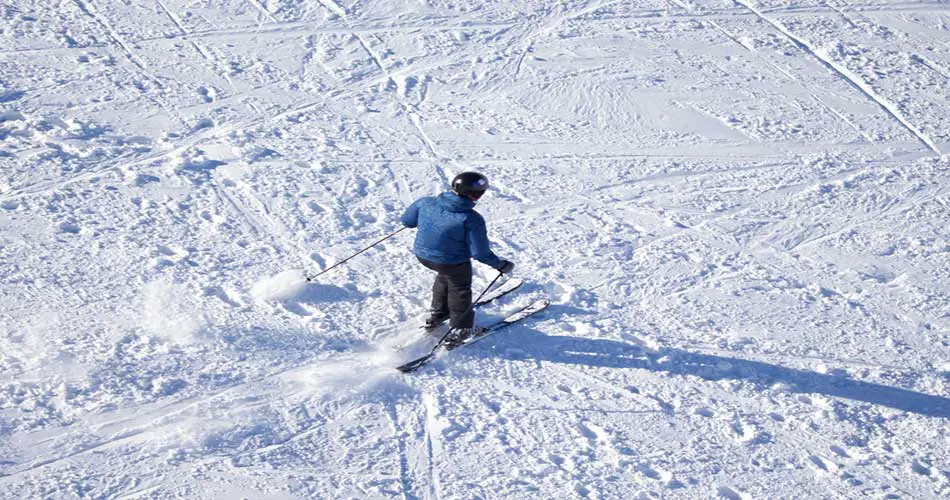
column 450, row 234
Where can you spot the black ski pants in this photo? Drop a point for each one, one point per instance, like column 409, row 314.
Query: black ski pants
column 452, row 292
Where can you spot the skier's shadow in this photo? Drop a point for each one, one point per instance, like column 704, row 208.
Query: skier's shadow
column 524, row 343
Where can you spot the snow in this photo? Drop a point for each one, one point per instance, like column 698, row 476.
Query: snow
column 286, row 285
column 739, row 210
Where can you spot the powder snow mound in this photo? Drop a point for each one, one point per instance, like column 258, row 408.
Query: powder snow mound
column 291, row 287
column 284, row 286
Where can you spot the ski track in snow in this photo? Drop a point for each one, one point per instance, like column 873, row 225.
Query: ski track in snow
column 738, row 210
column 848, row 76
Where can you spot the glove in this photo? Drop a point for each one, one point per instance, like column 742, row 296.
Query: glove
column 506, row 266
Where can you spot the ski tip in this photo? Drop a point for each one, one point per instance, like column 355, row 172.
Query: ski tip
column 539, row 304
column 513, row 284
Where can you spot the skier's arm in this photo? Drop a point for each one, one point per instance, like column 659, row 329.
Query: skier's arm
column 411, row 216
column 478, row 245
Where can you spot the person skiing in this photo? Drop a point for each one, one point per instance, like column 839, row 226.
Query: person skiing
column 450, row 234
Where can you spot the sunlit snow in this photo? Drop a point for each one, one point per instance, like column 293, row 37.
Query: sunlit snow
column 740, row 211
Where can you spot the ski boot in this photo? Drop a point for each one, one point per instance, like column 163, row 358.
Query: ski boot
column 458, row 336
column 434, row 321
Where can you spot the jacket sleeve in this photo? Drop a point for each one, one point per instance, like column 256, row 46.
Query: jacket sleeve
column 410, row 218
column 478, row 246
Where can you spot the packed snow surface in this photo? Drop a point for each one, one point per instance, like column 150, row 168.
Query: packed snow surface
column 739, row 209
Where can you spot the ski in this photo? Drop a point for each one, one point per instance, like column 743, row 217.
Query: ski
column 529, row 310
column 500, row 291
column 515, row 317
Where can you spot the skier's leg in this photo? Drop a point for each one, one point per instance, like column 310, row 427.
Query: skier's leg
column 459, row 279
column 440, row 297
column 439, row 309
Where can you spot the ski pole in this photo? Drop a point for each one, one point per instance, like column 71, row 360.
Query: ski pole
column 311, row 277
column 472, row 307
column 487, row 288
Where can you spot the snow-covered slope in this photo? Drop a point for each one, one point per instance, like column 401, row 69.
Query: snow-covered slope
column 740, row 210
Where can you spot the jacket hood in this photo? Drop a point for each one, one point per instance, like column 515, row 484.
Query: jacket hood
column 455, row 203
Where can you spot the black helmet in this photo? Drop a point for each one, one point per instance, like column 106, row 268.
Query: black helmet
column 470, row 184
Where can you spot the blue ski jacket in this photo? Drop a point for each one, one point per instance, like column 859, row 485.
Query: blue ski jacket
column 450, row 230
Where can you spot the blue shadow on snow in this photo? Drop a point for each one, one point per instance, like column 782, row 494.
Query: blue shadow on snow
column 532, row 344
